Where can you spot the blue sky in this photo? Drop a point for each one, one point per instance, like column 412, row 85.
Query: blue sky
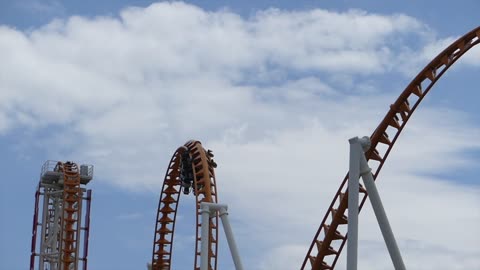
column 274, row 88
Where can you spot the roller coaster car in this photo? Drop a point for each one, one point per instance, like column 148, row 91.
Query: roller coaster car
column 186, row 172
column 211, row 161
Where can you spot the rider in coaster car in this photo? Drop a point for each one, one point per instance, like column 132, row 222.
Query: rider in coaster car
column 186, row 172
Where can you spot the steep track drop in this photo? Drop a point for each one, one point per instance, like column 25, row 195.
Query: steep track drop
column 204, row 189
column 331, row 236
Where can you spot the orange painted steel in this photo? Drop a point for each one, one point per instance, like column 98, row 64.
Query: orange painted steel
column 331, row 235
column 205, row 190
column 72, row 202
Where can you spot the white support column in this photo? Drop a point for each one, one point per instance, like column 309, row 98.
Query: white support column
column 46, row 197
column 359, row 167
column 381, row 215
column 230, row 239
column 353, row 189
column 205, row 210
column 208, row 209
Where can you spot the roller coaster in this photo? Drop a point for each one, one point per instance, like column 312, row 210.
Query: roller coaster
column 321, row 255
column 191, row 170
column 64, row 196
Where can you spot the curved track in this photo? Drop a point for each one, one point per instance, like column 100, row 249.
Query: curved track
column 201, row 164
column 331, row 236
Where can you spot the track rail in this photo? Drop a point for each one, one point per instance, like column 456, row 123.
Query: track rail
column 331, row 235
column 205, row 190
column 72, row 202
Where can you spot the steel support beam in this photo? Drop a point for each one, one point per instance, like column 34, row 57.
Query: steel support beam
column 359, row 168
column 353, row 190
column 381, row 215
column 208, row 209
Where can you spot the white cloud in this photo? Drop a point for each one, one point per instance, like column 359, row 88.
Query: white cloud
column 123, row 92
column 286, row 182
column 437, row 46
column 410, row 61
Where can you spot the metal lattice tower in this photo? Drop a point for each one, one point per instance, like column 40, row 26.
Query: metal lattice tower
column 60, row 199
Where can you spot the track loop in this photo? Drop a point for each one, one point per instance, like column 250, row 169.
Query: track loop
column 204, row 189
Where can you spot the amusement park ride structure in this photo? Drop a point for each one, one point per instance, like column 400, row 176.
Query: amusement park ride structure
column 192, row 170
column 63, row 196
column 331, row 235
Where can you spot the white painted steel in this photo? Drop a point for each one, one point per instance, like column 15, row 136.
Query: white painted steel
column 43, row 234
column 204, row 236
column 353, row 189
column 359, row 167
column 381, row 215
column 230, row 239
column 208, row 209
column 50, row 246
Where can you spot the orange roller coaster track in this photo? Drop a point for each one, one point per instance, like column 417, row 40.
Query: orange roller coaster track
column 194, row 162
column 331, row 235
column 72, row 200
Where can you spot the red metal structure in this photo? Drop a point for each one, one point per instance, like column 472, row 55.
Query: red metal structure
column 331, row 235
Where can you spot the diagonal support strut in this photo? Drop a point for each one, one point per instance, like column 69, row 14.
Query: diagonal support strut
column 359, row 168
